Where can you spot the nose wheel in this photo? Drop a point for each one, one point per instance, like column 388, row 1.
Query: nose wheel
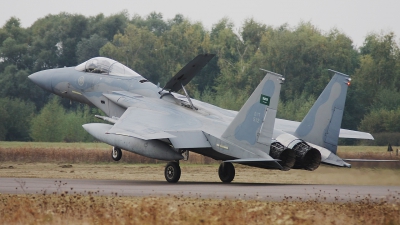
column 172, row 172
column 116, row 154
column 226, row 172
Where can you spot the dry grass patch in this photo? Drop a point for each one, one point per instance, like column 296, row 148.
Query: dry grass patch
column 39, row 152
column 89, row 209
column 361, row 148
column 42, row 145
column 80, row 155
column 201, row 173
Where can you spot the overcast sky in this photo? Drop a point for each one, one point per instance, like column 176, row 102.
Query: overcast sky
column 356, row 18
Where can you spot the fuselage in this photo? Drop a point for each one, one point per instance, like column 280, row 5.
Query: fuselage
column 89, row 88
column 91, row 82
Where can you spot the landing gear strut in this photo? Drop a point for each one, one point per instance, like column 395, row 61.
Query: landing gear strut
column 116, row 154
column 172, row 172
column 226, row 172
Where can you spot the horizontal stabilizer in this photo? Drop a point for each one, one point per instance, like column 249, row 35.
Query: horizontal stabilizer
column 344, row 133
column 291, row 126
column 266, row 163
column 252, row 160
column 371, row 160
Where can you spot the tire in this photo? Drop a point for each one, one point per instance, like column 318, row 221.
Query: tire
column 116, row 154
column 226, row 172
column 172, row 172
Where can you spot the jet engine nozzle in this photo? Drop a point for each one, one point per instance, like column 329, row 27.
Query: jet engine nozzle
column 286, row 155
column 307, row 158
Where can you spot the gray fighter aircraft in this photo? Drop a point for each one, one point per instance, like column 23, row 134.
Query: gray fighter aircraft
column 159, row 123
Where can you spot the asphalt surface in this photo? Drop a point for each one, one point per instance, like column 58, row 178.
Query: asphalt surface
column 271, row 192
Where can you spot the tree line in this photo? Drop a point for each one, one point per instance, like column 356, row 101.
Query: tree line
column 157, row 48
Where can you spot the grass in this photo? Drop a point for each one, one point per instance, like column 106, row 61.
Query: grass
column 47, row 145
column 92, row 209
column 365, row 149
column 76, row 153
column 201, row 173
column 93, row 161
column 103, row 146
column 101, row 153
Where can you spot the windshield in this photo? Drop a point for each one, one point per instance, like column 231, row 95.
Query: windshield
column 106, row 66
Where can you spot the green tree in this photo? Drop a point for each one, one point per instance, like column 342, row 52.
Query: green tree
column 72, row 124
column 47, row 125
column 154, row 23
column 295, row 109
column 89, row 48
column 381, row 120
column 15, row 84
column 15, row 119
column 107, row 27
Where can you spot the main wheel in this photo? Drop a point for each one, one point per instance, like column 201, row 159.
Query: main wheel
column 226, row 172
column 116, row 154
column 172, row 172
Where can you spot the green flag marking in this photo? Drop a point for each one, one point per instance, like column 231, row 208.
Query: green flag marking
column 265, row 100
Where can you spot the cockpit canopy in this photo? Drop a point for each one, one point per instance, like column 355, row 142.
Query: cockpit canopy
column 105, row 66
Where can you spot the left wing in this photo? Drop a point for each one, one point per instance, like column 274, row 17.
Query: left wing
column 148, row 120
column 142, row 123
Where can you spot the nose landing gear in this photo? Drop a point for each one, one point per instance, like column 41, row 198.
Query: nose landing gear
column 116, row 154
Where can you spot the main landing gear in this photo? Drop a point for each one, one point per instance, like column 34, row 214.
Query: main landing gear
column 116, row 154
column 172, row 172
column 226, row 172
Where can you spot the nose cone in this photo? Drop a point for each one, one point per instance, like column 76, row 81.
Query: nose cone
column 42, row 79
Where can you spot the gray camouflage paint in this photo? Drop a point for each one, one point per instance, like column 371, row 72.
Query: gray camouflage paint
column 248, row 129
column 252, row 127
column 219, row 126
column 321, row 126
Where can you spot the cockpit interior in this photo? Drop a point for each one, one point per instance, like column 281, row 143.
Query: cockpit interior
column 105, row 66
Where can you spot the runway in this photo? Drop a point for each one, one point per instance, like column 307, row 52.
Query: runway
column 246, row 191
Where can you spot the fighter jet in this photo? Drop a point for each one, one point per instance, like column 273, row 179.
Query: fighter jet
column 159, row 123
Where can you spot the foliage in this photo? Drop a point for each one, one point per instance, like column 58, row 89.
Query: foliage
column 46, row 126
column 89, row 48
column 15, row 118
column 157, row 48
column 295, row 109
column 54, row 124
column 383, row 139
column 382, row 120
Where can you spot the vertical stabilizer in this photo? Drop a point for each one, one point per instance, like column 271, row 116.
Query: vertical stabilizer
column 253, row 126
column 321, row 125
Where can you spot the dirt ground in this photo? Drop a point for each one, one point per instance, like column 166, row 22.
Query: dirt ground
column 89, row 209
column 199, row 172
